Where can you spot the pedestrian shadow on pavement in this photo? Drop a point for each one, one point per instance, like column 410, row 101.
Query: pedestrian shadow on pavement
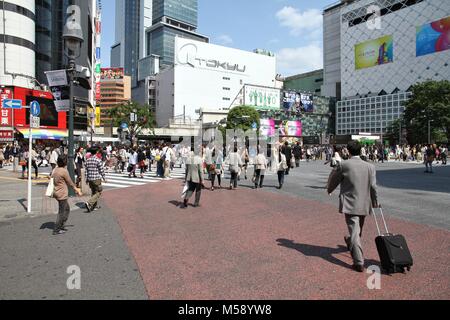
column 47, row 225
column 325, row 253
column 316, row 187
column 175, row 203
column 22, row 203
column 316, row 251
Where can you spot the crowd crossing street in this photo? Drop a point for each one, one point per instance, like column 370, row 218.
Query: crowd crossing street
column 225, row 161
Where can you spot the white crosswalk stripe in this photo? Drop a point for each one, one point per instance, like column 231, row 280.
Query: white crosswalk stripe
column 121, row 181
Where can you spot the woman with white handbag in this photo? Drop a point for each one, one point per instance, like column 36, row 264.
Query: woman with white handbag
column 61, row 181
column 282, row 167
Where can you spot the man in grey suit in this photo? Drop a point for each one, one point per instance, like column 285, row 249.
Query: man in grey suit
column 194, row 179
column 358, row 196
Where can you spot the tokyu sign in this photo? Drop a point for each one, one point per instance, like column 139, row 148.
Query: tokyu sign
column 188, row 55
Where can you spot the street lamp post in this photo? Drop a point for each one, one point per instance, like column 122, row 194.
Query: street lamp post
column 73, row 39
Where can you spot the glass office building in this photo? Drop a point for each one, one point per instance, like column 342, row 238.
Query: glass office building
column 185, row 11
column 171, row 18
column 131, row 41
column 161, row 42
column 371, row 114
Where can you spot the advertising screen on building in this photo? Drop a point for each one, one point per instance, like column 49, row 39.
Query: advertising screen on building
column 374, row 52
column 111, row 74
column 433, row 37
column 267, row 127
column 291, row 128
column 298, row 102
column 262, row 98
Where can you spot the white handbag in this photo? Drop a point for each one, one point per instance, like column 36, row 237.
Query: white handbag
column 50, row 188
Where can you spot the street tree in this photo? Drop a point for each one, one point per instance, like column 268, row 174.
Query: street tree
column 243, row 117
column 430, row 104
column 144, row 119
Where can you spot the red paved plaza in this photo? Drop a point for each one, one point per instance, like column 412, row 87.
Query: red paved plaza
column 249, row 244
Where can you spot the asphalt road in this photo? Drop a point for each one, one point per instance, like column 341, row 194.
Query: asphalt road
column 405, row 191
column 33, row 262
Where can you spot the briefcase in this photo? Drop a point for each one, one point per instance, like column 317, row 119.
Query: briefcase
column 393, row 250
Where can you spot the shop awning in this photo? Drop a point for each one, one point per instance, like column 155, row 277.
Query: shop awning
column 45, row 134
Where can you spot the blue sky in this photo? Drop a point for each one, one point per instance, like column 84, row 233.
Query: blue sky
column 290, row 28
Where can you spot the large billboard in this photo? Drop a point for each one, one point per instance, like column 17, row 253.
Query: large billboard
column 433, row 37
column 111, row 74
column 291, row 128
column 262, row 98
column 267, row 127
column 374, row 52
column 298, row 102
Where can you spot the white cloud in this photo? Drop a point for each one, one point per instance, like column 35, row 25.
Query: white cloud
column 225, row 39
column 298, row 21
column 291, row 61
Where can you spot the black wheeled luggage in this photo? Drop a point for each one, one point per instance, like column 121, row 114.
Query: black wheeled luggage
column 393, row 250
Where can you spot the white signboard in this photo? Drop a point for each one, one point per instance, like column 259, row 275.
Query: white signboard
column 57, row 78
column 62, row 105
column 35, row 122
column 262, row 98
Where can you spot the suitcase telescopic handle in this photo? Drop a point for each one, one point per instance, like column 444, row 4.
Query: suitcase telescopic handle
column 376, row 221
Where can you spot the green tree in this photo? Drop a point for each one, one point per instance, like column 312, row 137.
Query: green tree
column 122, row 114
column 430, row 102
column 243, row 117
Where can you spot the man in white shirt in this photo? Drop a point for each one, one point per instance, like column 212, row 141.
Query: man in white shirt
column 54, row 158
column 132, row 160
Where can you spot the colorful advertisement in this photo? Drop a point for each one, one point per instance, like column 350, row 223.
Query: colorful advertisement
column 267, row 127
column 111, row 73
column 298, row 102
column 374, row 52
column 291, row 129
column 433, row 37
column 262, row 98
column 5, row 114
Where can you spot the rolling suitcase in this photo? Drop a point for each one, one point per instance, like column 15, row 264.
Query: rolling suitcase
column 392, row 249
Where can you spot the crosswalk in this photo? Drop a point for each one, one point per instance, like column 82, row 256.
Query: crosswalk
column 121, row 181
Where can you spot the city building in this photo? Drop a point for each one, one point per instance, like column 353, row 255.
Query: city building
column 18, row 44
column 172, row 18
column 33, row 45
column 115, row 90
column 310, row 82
column 207, row 77
column 133, row 17
column 332, row 49
column 382, row 58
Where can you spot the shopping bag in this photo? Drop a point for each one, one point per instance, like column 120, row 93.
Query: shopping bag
column 50, row 188
column 185, row 190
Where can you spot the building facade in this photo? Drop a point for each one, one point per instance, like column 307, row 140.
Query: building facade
column 132, row 18
column 115, row 90
column 310, row 82
column 18, row 43
column 381, row 60
column 209, row 77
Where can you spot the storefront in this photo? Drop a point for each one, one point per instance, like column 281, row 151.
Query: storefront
column 53, row 124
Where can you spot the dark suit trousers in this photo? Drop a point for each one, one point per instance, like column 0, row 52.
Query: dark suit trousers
column 355, row 226
column 197, row 187
column 259, row 178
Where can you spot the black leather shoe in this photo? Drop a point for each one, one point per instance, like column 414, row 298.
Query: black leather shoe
column 358, row 268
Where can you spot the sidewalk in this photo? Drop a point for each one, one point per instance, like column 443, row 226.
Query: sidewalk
column 249, row 244
column 33, row 262
column 14, row 194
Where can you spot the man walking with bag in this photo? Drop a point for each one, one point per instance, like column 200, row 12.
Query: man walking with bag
column 95, row 173
column 194, row 179
column 358, row 196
